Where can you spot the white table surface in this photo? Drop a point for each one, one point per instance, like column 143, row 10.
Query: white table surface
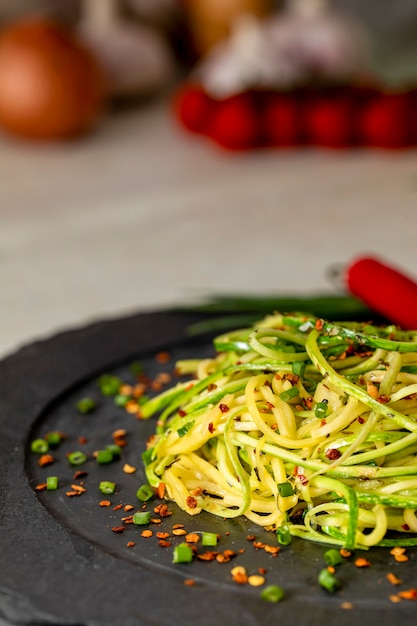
column 142, row 215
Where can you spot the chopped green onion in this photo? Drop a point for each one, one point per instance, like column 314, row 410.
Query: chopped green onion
column 39, row 446
column 272, row 593
column 104, row 456
column 85, row 405
column 144, row 493
column 140, row 518
column 136, row 368
column 52, row 483
column 209, row 539
column 114, row 449
column 333, row 557
column 298, row 368
column 109, row 385
column 77, row 458
column 284, row 535
column 321, row 409
column 107, row 487
column 183, row 553
column 289, row 394
column 53, row 438
column 120, row 400
column 184, row 429
column 328, row 581
column 285, row 489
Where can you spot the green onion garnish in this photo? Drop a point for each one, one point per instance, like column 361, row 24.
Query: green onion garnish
column 289, row 394
column 39, row 446
column 140, row 518
column 209, row 539
column 109, row 385
column 284, row 535
column 285, row 489
column 77, row 457
column 328, row 581
column 52, row 483
column 183, row 553
column 120, row 400
column 333, row 557
column 144, row 493
column 85, row 405
column 104, row 456
column 298, row 368
column 321, row 409
column 107, row 487
column 53, row 438
column 272, row 593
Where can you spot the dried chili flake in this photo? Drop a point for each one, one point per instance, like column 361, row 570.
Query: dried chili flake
column 160, row 490
column 82, row 441
column 333, row 453
column 118, row 529
column 345, row 553
column 46, row 459
column 128, row 507
column 40, row 487
column 192, row 538
column 272, row 549
column 80, row 474
column 223, row 408
column 191, row 502
column 78, row 488
column 104, row 503
column 211, row 387
column 409, row 594
column 319, row 324
column 361, row 562
column 156, row 520
column 209, row 555
column 129, row 469
column 146, row 533
column 179, row 532
column 189, row 582
column 162, row 535
column 163, row 543
column 182, row 413
column 211, row 427
column 71, row 494
column 239, row 575
column 117, row 507
column 162, row 357
column 393, row 579
column 383, row 398
column 130, row 544
column 128, row 519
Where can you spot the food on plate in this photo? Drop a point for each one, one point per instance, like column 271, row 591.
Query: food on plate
column 302, row 426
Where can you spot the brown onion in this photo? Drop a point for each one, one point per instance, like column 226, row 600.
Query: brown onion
column 51, row 86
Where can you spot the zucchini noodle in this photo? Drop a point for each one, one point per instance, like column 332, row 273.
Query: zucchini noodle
column 300, row 423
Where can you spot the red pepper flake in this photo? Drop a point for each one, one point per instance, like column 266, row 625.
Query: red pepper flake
column 250, row 537
column 189, row 582
column 262, row 571
column 207, row 556
column 191, row 502
column 163, row 543
column 277, row 377
column 105, row 503
column 192, row 538
column 272, row 550
column 179, row 532
column 117, row 507
column 46, row 459
column 131, row 544
column 79, row 489
column 409, row 594
column 383, row 399
column 162, row 510
column 162, row 535
column 319, row 325
column 393, row 579
column 177, row 526
column 146, row 533
column 80, row 474
column 156, row 520
column 82, row 440
column 361, row 420
column 333, row 454
column 347, row 605
column 361, row 562
column 223, row 408
column 211, row 427
column 118, row 529
column 128, row 519
column 399, row 555
column 211, row 387
column 128, row 507
column 162, row 357
column 308, row 402
column 160, row 490
column 71, row 494
column 40, row 487
column 345, row 553
column 405, row 527
column 182, row 413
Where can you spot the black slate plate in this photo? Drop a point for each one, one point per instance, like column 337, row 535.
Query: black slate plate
column 60, row 561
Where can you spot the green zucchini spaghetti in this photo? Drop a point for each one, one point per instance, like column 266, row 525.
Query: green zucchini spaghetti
column 300, row 425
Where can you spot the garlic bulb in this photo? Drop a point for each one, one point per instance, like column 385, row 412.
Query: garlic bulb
column 307, row 42
column 136, row 59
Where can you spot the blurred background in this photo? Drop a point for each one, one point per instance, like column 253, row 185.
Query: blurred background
column 117, row 195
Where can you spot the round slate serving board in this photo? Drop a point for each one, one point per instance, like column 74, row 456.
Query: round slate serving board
column 60, row 561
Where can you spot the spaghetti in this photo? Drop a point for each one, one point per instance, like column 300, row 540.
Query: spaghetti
column 296, row 424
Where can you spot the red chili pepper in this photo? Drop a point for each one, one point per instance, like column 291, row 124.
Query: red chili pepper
column 385, row 290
